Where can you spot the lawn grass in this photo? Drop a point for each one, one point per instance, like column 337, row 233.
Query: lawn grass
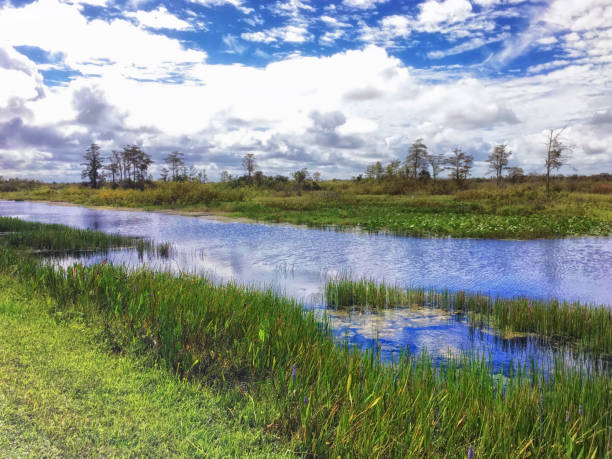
column 515, row 212
column 63, row 393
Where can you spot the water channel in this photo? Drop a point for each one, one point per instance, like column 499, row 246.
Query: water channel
column 296, row 262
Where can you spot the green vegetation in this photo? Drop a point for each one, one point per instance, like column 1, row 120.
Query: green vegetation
column 324, row 398
column 588, row 326
column 17, row 233
column 402, row 206
column 64, row 393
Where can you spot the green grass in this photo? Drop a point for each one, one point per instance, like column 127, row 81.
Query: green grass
column 63, row 393
column 324, row 398
column 514, row 212
column 590, row 327
column 15, row 233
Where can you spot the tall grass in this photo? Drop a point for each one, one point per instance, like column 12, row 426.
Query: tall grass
column 516, row 212
column 589, row 326
column 17, row 233
column 332, row 399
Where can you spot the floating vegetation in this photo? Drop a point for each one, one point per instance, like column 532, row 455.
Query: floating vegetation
column 588, row 326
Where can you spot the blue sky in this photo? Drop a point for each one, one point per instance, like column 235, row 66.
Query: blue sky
column 331, row 86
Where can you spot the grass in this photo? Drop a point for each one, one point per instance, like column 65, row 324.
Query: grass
column 588, row 326
column 515, row 212
column 63, row 393
column 323, row 398
column 15, row 233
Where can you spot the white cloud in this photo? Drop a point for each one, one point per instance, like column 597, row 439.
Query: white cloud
column 333, row 113
column 159, row 19
column 362, row 4
column 238, row 4
column 94, row 47
column 468, row 45
column 288, row 34
column 434, row 12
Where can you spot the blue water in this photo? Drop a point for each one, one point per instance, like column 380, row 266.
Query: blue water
column 296, row 261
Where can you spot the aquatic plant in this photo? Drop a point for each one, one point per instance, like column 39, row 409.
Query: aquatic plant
column 43, row 237
column 587, row 325
column 330, row 399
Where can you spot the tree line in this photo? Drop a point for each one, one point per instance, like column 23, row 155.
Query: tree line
column 129, row 168
column 420, row 164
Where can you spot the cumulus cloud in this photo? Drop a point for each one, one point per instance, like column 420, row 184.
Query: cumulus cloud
column 159, row 18
column 334, row 113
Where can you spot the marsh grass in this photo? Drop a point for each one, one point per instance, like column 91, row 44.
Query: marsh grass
column 590, row 327
column 41, row 237
column 330, row 399
column 514, row 212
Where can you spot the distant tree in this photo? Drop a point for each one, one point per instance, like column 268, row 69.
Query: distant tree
column 258, row 177
column 196, row 175
column 114, row 167
column 459, row 164
column 300, row 177
column 164, row 174
column 557, row 154
column 437, row 164
column 137, row 164
column 498, row 161
column 316, row 176
column 393, row 168
column 375, row 171
column 225, row 176
column 175, row 163
column 417, row 158
column 93, row 165
column 248, row 163
column 515, row 174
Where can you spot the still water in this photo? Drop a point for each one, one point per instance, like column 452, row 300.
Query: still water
column 297, row 261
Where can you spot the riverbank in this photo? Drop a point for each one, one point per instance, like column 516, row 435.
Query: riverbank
column 513, row 213
column 64, row 392
column 268, row 355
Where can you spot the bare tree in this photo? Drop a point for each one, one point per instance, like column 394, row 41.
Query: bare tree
column 300, row 177
column 417, row 158
column 459, row 164
column 557, row 154
column 437, row 164
column 225, row 176
column 498, row 161
column 316, row 176
column 93, row 165
column 248, row 162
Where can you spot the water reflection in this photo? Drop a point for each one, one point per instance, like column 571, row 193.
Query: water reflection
column 296, row 262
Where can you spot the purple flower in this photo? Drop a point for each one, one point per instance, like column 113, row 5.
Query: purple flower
column 471, row 453
column 293, row 373
column 305, row 400
column 567, row 416
column 580, row 410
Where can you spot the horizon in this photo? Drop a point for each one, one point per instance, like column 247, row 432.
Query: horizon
column 332, row 88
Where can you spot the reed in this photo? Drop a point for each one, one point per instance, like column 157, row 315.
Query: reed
column 588, row 326
column 15, row 233
column 330, row 399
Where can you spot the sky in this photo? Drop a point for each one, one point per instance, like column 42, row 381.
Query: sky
column 331, row 86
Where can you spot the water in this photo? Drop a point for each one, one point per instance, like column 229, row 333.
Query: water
column 296, row 261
